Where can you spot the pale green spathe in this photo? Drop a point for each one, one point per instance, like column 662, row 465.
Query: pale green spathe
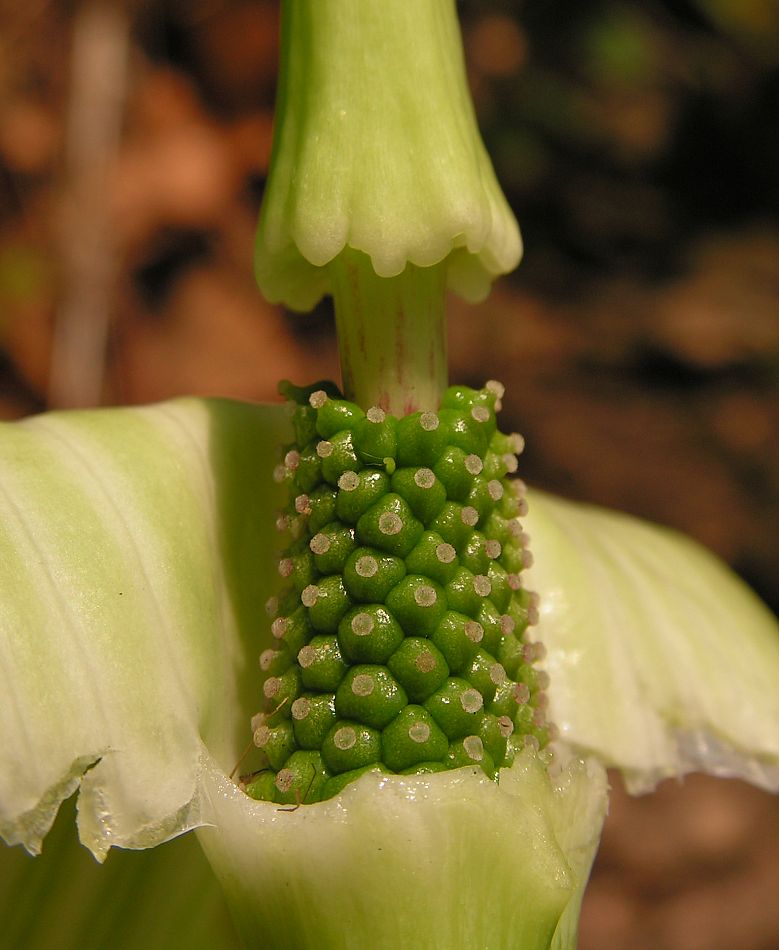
column 394, row 169
column 437, row 862
column 137, row 553
column 662, row 661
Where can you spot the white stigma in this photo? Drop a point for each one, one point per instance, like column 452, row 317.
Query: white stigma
column 266, row 659
column 279, row 627
column 424, row 478
column 363, row 684
column 495, row 488
column 345, row 738
column 493, row 548
column 306, row 656
column 507, row 625
column 497, row 674
column 320, row 544
column 362, row 625
column 292, row 459
column 474, row 631
column 505, row 725
column 261, row 737
column 375, row 414
column 309, row 596
column 527, row 558
column 280, row 472
column 517, row 443
column 324, row 449
column 482, row 585
column 511, row 463
column 390, row 523
column 471, row 700
column 445, row 553
column 317, row 399
column 271, row 686
column 474, row 748
column 272, row 606
column 367, row 566
column 469, row 516
column 514, row 581
column 419, row 732
column 429, row 421
column 473, row 464
column 286, row 567
column 480, row 413
column 497, row 389
column 303, row 505
column 284, row 780
column 425, row 662
column 425, row 596
column 349, row 481
column 301, row 708
column 521, row 693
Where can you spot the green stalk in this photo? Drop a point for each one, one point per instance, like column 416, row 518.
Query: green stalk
column 391, row 334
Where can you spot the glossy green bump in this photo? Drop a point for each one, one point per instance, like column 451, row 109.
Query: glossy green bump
column 494, row 733
column 321, row 504
column 275, row 662
column 262, row 786
column 351, row 745
column 453, row 473
column 419, row 666
column 357, row 491
column 485, row 673
column 276, row 742
column 470, row 751
column 454, row 523
column 321, row 664
column 466, row 432
column 465, row 398
column 292, row 631
column 474, row 554
column 479, row 496
column 338, row 456
column 304, row 424
column 508, row 698
column 418, row 604
column 370, row 694
column 280, row 692
column 509, row 654
column 423, row 492
column 457, row 707
column 457, row 637
column 309, row 469
column 421, row 439
column 500, row 588
column 297, row 566
column 433, row 557
column 369, row 634
column 390, row 526
column 313, row 715
column 466, row 592
column 331, row 547
column 301, row 780
column 327, row 602
column 335, row 415
column 411, row 738
column 375, row 437
column 369, row 574
column 492, row 625
column 336, row 784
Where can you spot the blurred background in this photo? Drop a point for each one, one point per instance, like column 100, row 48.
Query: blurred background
column 639, row 340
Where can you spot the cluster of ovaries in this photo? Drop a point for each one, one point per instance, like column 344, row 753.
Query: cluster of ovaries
column 401, row 640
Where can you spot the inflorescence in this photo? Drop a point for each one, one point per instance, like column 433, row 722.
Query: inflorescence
column 401, row 641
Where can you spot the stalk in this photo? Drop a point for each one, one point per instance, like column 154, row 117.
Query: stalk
column 391, row 334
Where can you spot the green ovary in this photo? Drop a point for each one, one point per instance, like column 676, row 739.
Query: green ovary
column 402, row 637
